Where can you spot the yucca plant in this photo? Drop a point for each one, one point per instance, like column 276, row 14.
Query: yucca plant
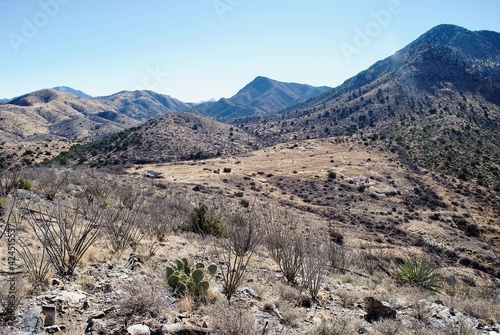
column 421, row 273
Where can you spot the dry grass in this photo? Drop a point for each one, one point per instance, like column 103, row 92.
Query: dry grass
column 143, row 296
column 231, row 320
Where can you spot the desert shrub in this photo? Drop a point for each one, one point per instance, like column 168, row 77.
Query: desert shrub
column 66, row 233
column 244, row 203
column 470, row 229
column 204, row 223
column 332, row 175
column 142, row 296
column 125, row 224
column 244, row 235
column 49, row 181
column 347, row 297
column 423, row 274
column 338, row 325
column 285, row 244
column 230, row 320
column 287, row 292
column 24, row 184
column 313, row 265
column 8, row 180
column 389, row 327
column 226, row 170
column 373, row 259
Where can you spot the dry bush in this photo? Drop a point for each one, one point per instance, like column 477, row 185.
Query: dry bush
column 421, row 311
column 313, row 265
column 373, row 259
column 8, row 181
column 231, row 320
column 389, row 327
column 284, row 243
column 49, row 181
column 162, row 220
column 338, row 325
column 482, row 303
column 290, row 314
column 126, row 224
column 66, row 233
column 339, row 258
column 143, row 296
column 37, row 264
column 347, row 297
column 244, row 235
column 287, row 292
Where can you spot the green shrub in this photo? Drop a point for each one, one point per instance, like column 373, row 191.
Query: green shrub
column 332, row 175
column 24, row 184
column 245, row 203
column 226, row 170
column 201, row 222
column 423, row 274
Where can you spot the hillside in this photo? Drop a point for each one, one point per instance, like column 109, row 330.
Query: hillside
column 435, row 102
column 51, row 114
column 144, row 105
column 174, row 137
column 261, row 96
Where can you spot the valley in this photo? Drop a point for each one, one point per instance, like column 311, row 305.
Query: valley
column 368, row 208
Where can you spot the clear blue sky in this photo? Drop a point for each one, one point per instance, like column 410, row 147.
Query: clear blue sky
column 200, row 49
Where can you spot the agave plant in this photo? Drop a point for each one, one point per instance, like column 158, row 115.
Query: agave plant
column 421, row 273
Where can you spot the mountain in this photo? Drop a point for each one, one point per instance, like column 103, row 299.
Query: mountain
column 173, row 137
column 4, row 101
column 144, row 105
column 48, row 113
column 436, row 102
column 78, row 93
column 261, row 96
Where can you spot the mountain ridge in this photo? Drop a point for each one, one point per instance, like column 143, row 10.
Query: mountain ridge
column 261, row 96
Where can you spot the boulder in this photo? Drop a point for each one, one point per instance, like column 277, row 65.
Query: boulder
column 376, row 310
column 138, row 330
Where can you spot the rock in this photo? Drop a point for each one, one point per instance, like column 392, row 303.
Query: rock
column 30, row 321
column 49, row 313
column 304, row 300
column 377, row 310
column 54, row 329
column 98, row 315
column 138, row 330
column 249, row 292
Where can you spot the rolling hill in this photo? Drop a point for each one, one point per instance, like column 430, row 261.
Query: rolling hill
column 173, row 137
column 51, row 114
column 144, row 105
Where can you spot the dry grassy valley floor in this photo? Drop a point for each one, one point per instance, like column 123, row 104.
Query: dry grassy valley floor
column 387, row 220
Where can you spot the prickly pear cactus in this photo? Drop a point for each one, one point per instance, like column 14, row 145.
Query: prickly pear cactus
column 185, row 280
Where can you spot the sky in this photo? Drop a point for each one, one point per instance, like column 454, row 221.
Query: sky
column 195, row 50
